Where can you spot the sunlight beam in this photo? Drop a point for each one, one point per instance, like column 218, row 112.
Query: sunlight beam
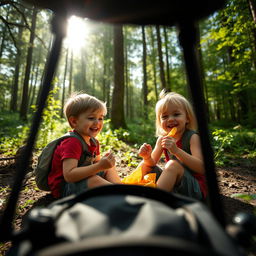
column 77, row 32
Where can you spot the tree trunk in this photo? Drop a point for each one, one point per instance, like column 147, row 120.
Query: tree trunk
column 24, row 102
column 105, row 57
column 43, row 73
column 94, row 73
column 167, row 61
column 83, row 86
column 153, row 60
column 145, row 86
column 32, row 99
column 70, row 74
column 64, row 83
column 39, row 59
column 3, row 35
column 127, row 93
column 160, row 56
column 117, row 113
column 3, row 41
column 252, row 8
column 202, row 74
column 15, row 86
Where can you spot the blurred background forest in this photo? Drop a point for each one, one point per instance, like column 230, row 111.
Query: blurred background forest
column 128, row 66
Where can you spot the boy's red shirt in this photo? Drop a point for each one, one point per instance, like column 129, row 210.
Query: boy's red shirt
column 68, row 148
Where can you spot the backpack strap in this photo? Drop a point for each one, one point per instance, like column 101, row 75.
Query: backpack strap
column 86, row 158
column 78, row 136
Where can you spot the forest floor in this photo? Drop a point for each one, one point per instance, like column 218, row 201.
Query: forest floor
column 239, row 178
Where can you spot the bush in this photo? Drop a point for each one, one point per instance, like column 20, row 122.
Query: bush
column 12, row 134
column 233, row 143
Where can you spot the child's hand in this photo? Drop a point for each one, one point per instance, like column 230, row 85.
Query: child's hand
column 170, row 144
column 145, row 151
column 107, row 161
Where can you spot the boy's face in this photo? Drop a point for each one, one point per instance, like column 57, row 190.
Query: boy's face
column 89, row 123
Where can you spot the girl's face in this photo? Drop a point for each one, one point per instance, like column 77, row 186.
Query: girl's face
column 89, row 123
column 174, row 116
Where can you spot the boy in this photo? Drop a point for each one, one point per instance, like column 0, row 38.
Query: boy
column 85, row 115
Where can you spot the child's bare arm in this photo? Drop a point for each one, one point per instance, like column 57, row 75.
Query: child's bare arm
column 145, row 152
column 158, row 150
column 111, row 174
column 193, row 161
column 150, row 158
column 72, row 173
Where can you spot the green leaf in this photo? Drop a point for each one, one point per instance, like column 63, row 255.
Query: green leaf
column 246, row 197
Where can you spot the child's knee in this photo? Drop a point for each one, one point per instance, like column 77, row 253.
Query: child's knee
column 174, row 166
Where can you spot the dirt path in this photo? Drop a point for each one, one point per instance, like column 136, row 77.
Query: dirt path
column 232, row 180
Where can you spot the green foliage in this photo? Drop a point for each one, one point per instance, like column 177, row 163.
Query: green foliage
column 110, row 139
column 238, row 142
column 12, row 134
column 142, row 131
column 114, row 140
column 130, row 158
column 26, row 204
column 229, row 63
column 52, row 125
column 247, row 197
column 222, row 141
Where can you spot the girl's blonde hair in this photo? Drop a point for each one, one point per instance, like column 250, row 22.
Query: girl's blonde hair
column 162, row 105
column 79, row 103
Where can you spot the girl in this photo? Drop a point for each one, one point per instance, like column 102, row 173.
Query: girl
column 184, row 170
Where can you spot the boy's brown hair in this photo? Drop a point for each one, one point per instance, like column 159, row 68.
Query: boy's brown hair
column 79, row 103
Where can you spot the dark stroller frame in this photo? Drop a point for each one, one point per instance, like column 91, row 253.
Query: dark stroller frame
column 188, row 36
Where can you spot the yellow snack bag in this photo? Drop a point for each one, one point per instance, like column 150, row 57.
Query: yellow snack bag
column 172, row 132
column 149, row 180
column 135, row 178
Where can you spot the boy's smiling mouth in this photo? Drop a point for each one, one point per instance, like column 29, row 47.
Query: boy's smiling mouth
column 94, row 129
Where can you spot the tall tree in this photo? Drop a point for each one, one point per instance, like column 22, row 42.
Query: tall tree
column 167, row 60
column 252, row 7
column 24, row 101
column 3, row 35
column 70, row 73
column 145, row 85
column 160, row 56
column 153, row 61
column 94, row 74
column 83, row 72
column 15, row 86
column 64, row 82
column 127, row 92
column 117, row 111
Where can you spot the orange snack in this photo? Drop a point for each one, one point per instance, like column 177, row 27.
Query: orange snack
column 172, row 132
column 135, row 178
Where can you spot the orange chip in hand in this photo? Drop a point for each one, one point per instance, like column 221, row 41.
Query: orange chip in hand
column 172, row 132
